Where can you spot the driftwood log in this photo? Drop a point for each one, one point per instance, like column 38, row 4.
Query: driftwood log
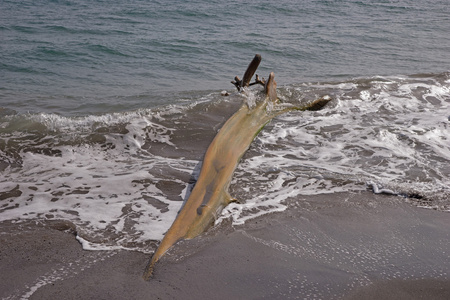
column 210, row 194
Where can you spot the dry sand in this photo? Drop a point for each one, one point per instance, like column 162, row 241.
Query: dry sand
column 338, row 246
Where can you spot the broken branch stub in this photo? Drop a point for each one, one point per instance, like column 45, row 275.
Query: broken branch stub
column 270, row 88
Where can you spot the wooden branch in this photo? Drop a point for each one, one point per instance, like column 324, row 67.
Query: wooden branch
column 210, row 194
column 269, row 86
column 258, row 81
column 251, row 69
column 237, row 83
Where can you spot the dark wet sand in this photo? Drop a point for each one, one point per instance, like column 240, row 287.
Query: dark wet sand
column 339, row 246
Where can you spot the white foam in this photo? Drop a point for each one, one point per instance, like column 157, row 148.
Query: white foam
column 389, row 135
column 101, row 190
column 388, row 139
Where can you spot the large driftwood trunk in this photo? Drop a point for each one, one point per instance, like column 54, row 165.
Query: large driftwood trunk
column 210, row 194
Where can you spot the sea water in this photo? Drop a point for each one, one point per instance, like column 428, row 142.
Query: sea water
column 106, row 108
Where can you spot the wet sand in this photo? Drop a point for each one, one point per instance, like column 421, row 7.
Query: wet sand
column 337, row 246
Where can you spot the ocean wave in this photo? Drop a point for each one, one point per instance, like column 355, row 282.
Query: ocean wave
column 122, row 177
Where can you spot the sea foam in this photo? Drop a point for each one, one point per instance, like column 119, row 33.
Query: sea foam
column 121, row 178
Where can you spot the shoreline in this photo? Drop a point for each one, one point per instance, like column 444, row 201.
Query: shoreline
column 335, row 246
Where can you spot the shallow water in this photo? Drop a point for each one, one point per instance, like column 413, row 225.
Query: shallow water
column 83, row 57
column 108, row 109
column 122, row 177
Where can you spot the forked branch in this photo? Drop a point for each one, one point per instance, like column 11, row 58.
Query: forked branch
column 251, row 69
column 258, row 81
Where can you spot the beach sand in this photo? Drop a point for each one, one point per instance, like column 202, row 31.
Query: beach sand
column 335, row 246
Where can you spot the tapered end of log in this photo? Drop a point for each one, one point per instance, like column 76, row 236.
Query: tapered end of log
column 148, row 271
